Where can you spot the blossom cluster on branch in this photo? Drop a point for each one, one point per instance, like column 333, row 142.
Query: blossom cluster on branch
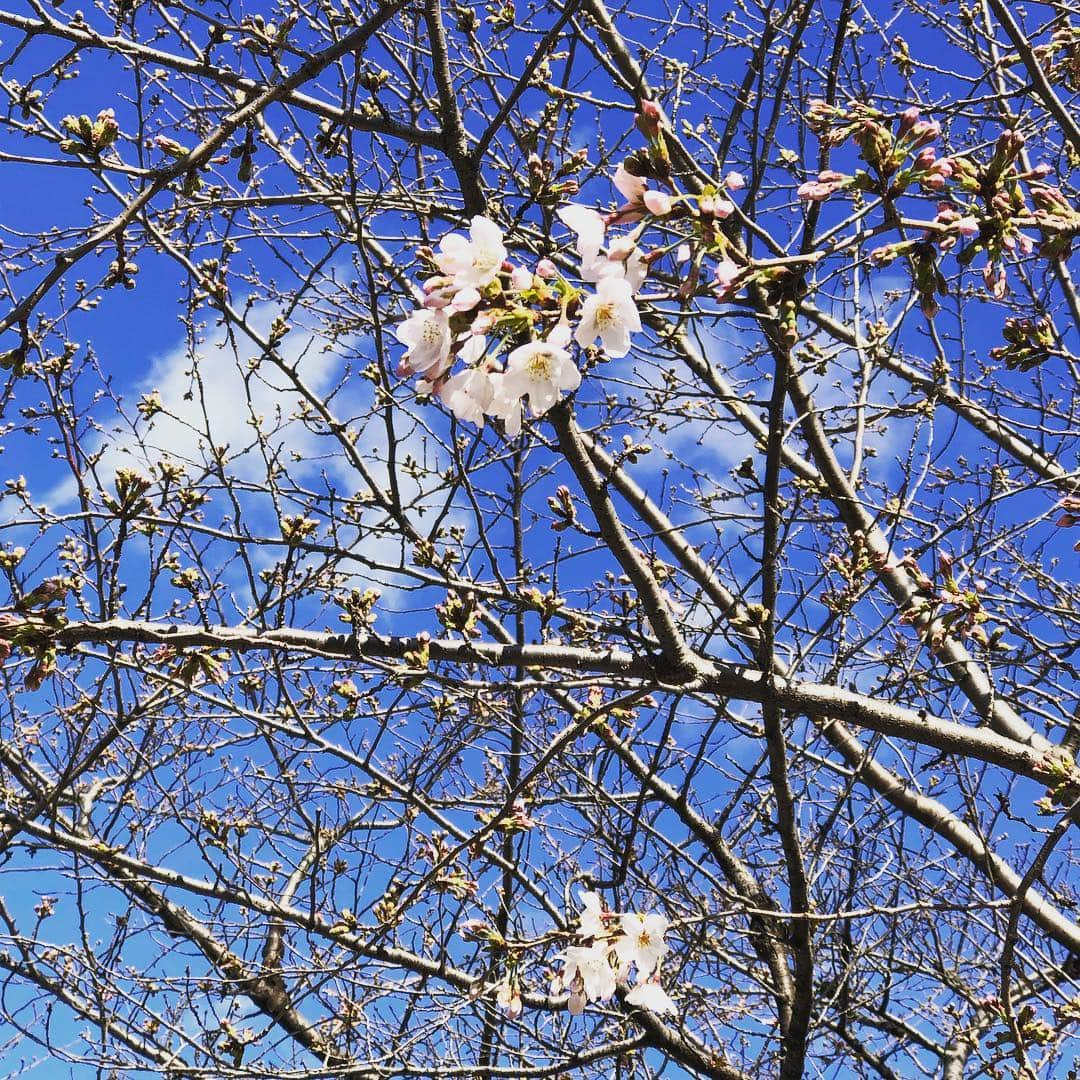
column 480, row 304
column 608, row 948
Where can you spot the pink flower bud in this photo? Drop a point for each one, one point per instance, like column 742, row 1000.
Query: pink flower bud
column 925, row 131
column 545, row 268
column 520, row 278
column 657, row 202
column 995, row 280
column 465, row 299
column 725, row 273
column 908, row 119
column 967, row 226
column 734, row 181
column 723, row 208
column 648, row 120
column 813, row 191
column 925, row 157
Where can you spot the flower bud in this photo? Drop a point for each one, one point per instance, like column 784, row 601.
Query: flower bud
column 657, row 202
column 908, row 119
column 648, row 120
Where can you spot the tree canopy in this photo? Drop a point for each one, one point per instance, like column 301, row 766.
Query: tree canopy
column 538, row 539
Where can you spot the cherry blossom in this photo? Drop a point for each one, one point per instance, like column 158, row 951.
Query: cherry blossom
column 623, row 259
column 505, row 405
column 734, row 181
column 828, row 182
column 520, row 278
column 725, row 272
column 592, row 915
column 716, row 206
column 589, row 227
column 465, row 299
column 642, row 942
column 587, row 974
column 427, row 334
column 631, row 187
column 657, row 202
column 468, row 394
column 540, row 371
column 611, row 315
column 652, row 996
column 474, row 262
column 508, row 999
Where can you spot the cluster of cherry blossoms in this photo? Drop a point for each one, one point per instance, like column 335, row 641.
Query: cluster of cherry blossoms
column 609, row 947
column 616, row 943
column 480, row 305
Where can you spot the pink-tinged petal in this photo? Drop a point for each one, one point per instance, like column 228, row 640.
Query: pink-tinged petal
column 465, row 299
column 632, row 188
column 734, row 181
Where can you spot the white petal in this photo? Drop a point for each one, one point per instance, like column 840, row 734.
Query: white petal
column 475, row 346
column 588, row 225
column 632, row 188
column 652, row 996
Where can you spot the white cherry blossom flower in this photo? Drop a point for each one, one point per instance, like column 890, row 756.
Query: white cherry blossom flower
column 589, row 968
column 427, row 334
column 589, row 227
column 468, row 394
column 505, row 406
column 508, row 999
column 474, row 262
column 623, row 259
column 473, row 348
column 560, row 334
column 611, row 315
column 652, row 996
column 642, row 942
column 592, row 915
column 540, row 371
